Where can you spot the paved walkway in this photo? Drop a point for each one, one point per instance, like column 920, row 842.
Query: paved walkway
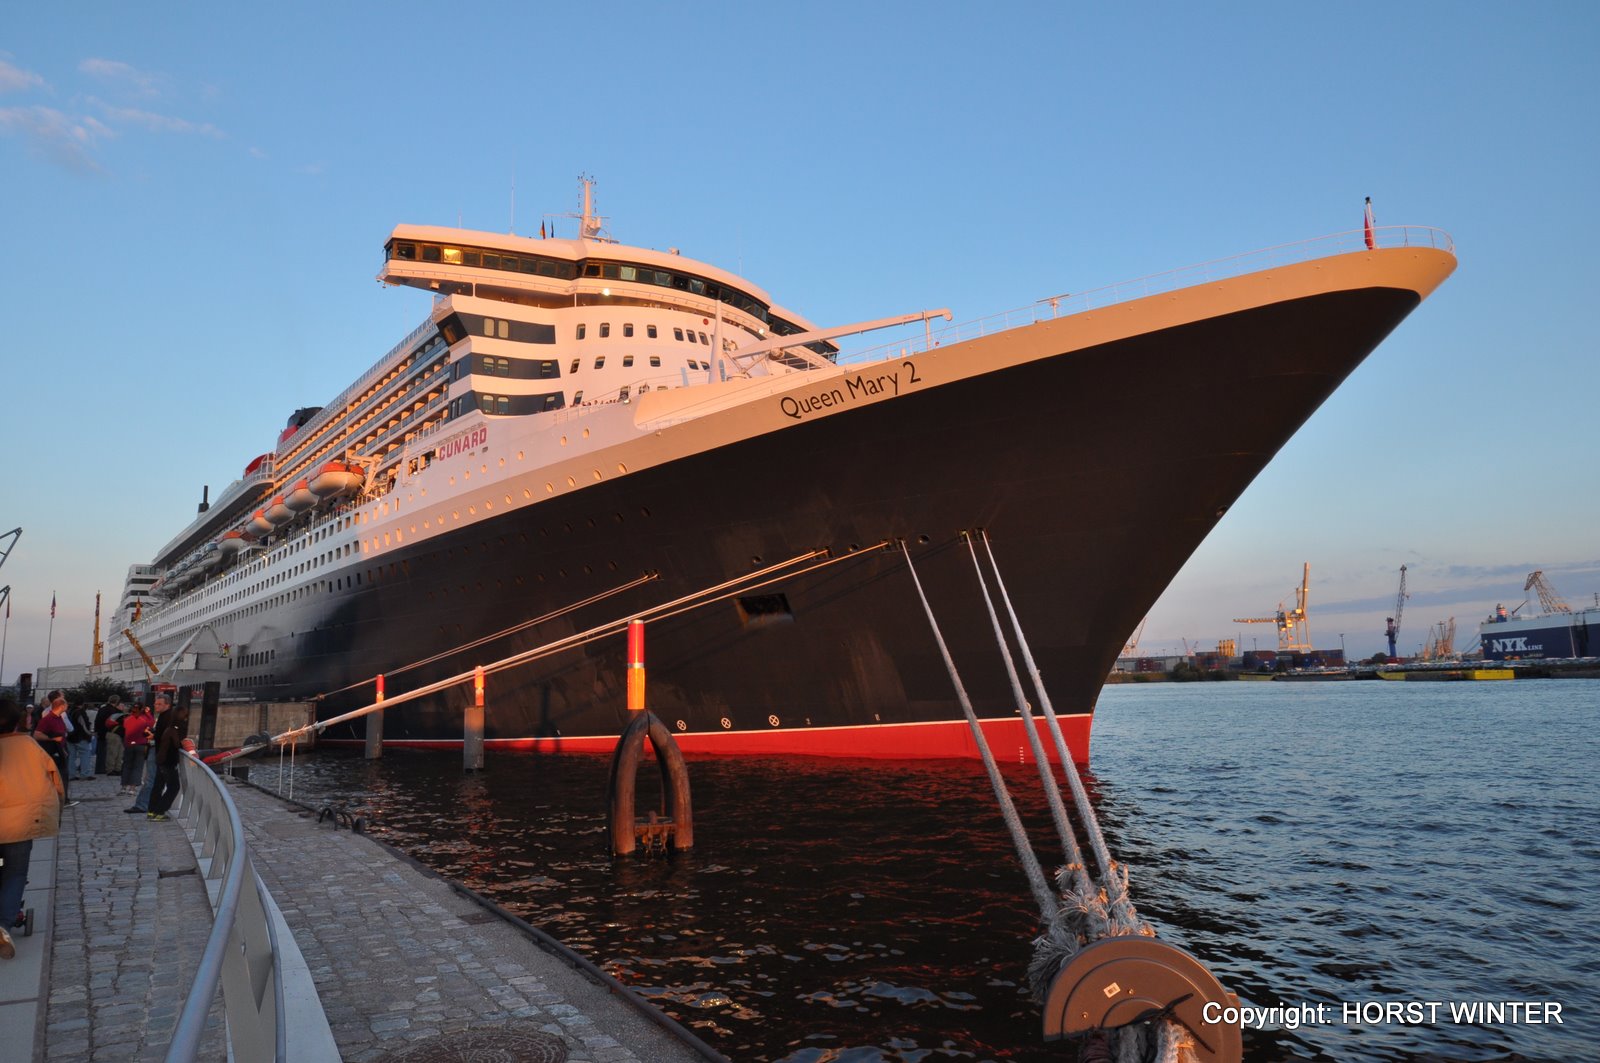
column 406, row 966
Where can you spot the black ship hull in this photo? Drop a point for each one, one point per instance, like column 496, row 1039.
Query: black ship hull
column 1095, row 473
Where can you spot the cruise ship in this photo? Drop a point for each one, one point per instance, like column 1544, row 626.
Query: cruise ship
column 579, row 431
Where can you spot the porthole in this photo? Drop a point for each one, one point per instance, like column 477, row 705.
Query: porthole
column 455, row 514
column 466, row 474
column 727, row 724
column 773, row 720
column 586, row 433
column 527, row 493
column 563, row 440
column 571, row 482
column 621, row 468
column 519, row 455
column 502, row 463
column 472, row 511
column 484, row 469
column 508, row 500
column 549, row 488
column 597, row 474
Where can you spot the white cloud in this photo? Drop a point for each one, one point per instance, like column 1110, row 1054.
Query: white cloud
column 155, row 123
column 61, row 138
column 143, row 83
column 15, row 79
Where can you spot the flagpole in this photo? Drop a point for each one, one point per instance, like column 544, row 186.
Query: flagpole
column 50, row 638
column 4, row 635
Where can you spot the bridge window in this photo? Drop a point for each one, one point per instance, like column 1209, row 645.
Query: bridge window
column 677, row 334
column 650, row 330
column 600, row 362
column 627, row 361
column 655, row 361
column 605, row 329
column 627, row 329
column 582, row 331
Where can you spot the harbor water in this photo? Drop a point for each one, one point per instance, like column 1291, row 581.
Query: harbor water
column 1337, row 844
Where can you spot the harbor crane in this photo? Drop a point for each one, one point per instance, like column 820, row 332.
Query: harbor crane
column 1393, row 630
column 1294, row 628
column 1549, row 600
column 1132, row 646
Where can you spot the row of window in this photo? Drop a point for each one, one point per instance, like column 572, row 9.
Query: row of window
column 482, row 258
column 506, row 405
column 650, row 332
column 514, row 368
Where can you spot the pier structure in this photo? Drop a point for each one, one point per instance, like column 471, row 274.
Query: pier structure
column 406, row 964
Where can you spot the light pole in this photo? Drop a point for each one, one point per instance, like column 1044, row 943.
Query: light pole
column 1341, row 646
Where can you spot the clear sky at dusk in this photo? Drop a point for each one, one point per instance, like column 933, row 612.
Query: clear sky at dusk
column 196, row 199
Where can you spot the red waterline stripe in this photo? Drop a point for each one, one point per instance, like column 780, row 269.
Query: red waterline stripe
column 944, row 740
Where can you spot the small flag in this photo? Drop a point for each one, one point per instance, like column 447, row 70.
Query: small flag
column 541, row 230
column 52, row 605
column 1367, row 226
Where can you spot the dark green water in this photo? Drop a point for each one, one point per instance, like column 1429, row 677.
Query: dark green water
column 1313, row 843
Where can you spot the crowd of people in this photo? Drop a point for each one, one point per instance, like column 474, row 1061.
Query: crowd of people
column 45, row 748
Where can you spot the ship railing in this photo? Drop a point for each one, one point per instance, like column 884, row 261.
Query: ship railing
column 1066, row 303
column 268, row 994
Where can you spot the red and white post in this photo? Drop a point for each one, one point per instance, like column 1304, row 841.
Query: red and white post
column 472, row 737
column 374, row 721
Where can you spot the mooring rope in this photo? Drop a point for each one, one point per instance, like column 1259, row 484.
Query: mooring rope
column 1048, row 906
column 698, row 599
column 1113, row 911
column 1113, row 876
column 1082, row 907
column 512, row 630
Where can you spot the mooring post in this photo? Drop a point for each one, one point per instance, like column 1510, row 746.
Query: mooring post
column 677, row 829
column 375, row 726
column 472, row 739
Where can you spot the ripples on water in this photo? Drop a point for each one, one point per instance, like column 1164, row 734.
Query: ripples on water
column 1312, row 843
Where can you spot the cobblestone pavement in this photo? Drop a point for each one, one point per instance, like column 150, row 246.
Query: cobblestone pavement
column 398, row 956
column 131, row 922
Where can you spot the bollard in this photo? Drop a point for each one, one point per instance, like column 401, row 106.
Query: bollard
column 375, row 726
column 676, row 827
column 472, row 738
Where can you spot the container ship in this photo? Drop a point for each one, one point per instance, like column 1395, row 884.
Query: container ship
column 1559, row 635
column 580, row 430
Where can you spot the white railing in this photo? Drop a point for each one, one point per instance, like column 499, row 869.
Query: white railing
column 1384, row 238
column 267, row 992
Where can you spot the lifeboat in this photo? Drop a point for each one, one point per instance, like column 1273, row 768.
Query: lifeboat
column 232, row 542
column 299, row 499
column 209, row 558
column 250, row 470
column 336, row 478
column 278, row 511
column 259, row 522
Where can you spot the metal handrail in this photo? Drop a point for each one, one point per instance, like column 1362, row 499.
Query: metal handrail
column 244, row 955
column 1383, row 238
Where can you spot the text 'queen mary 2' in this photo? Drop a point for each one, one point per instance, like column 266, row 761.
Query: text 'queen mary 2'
column 580, row 431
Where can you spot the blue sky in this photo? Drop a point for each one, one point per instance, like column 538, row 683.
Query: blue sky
column 197, row 198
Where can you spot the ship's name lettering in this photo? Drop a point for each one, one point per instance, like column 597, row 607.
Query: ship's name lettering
column 462, row 443
column 1513, row 646
column 856, row 387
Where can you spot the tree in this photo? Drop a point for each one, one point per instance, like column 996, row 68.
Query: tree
column 94, row 691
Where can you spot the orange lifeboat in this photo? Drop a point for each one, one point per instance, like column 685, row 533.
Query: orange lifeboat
column 336, row 478
column 232, row 542
column 299, row 499
column 259, row 522
column 278, row 511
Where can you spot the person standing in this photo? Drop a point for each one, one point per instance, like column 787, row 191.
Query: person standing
column 114, row 742
column 169, row 747
column 80, row 742
column 51, row 733
column 136, row 727
column 141, row 803
column 102, row 739
column 32, row 794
